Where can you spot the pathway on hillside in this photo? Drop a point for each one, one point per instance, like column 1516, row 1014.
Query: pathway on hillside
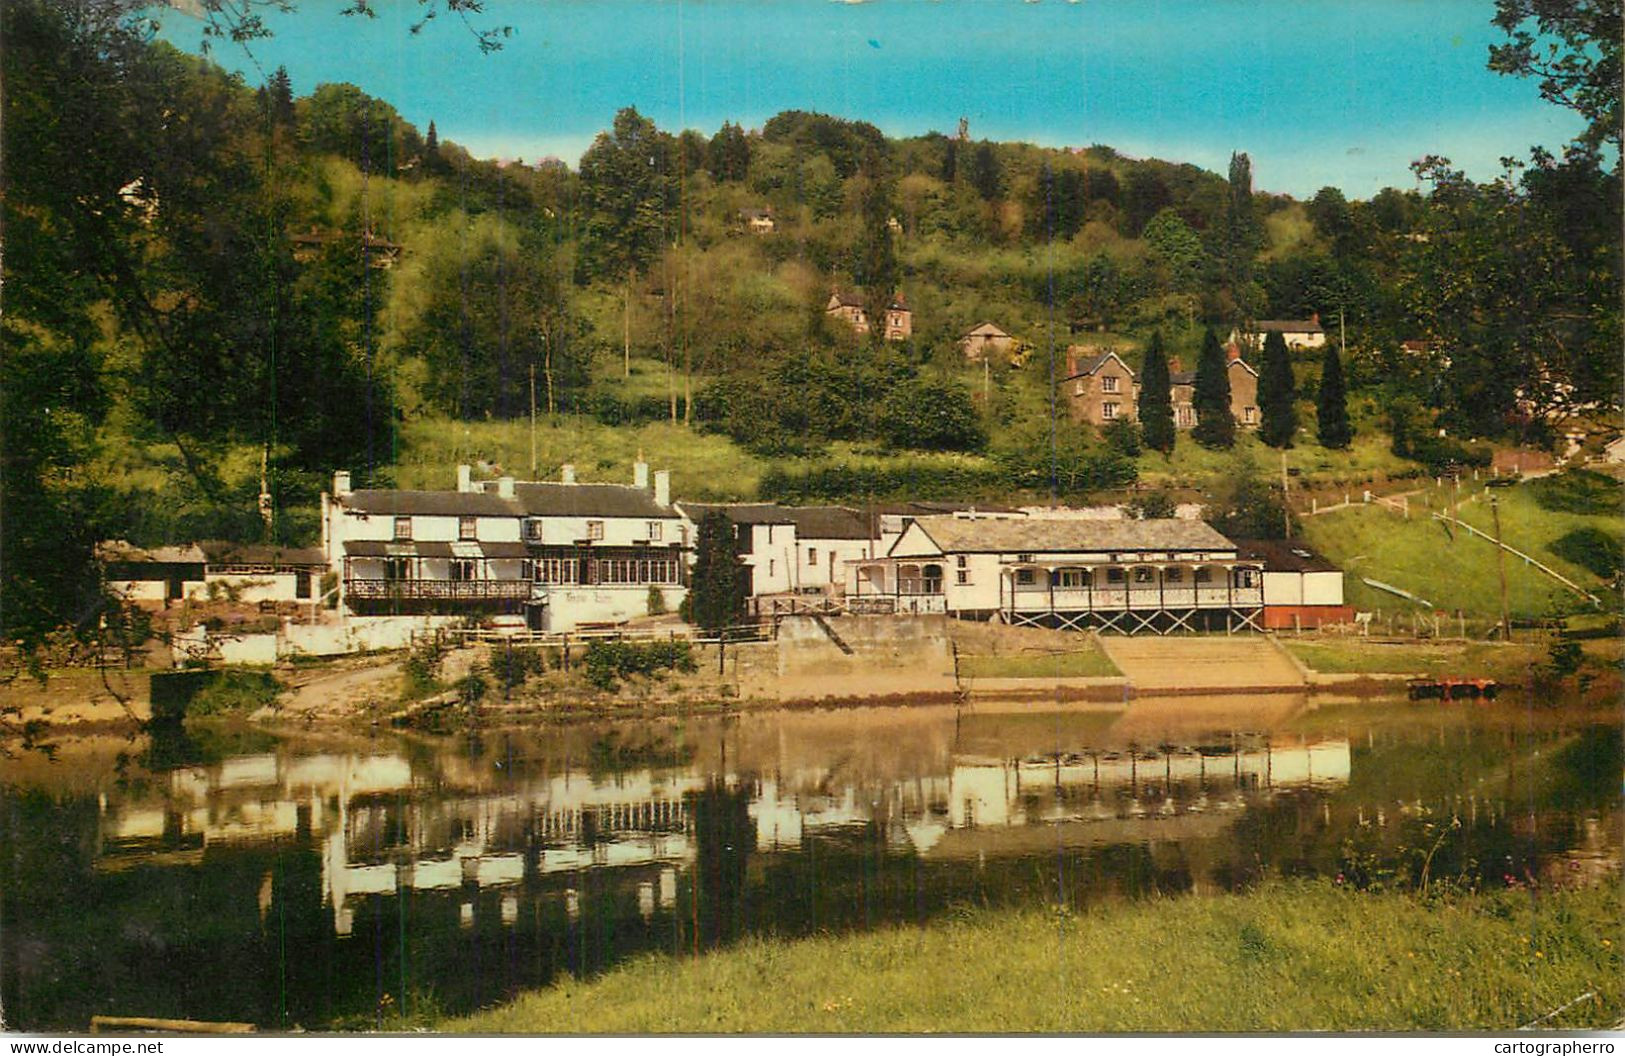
column 1178, row 664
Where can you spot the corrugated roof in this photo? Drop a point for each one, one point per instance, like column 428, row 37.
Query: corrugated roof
column 121, row 552
column 220, row 552
column 1038, row 535
column 1284, row 555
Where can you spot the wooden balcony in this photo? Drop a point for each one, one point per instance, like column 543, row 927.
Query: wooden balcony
column 1118, row 598
column 473, row 590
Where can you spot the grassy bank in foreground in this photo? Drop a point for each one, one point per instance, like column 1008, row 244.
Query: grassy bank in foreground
column 1291, row 956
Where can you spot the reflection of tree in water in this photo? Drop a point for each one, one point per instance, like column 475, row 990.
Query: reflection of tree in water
column 725, row 838
column 611, row 753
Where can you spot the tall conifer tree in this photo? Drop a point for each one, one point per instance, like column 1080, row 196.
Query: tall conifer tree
column 1156, row 405
column 1215, row 425
column 1277, row 394
column 718, row 589
column 1331, row 408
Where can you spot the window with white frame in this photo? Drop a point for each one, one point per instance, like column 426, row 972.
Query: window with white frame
column 468, row 529
column 462, row 570
column 961, row 570
column 1073, row 578
column 812, row 557
column 1108, row 383
column 595, row 529
column 403, row 527
column 654, row 531
column 1024, row 577
column 1108, row 410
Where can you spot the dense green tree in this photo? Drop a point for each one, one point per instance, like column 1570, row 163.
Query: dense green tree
column 1247, row 505
column 875, row 268
column 1176, row 249
column 1331, row 404
column 728, row 156
column 1239, row 237
column 1215, row 425
column 1056, row 207
column 1333, row 219
column 692, row 152
column 931, row 416
column 1144, row 196
column 1573, row 48
column 1277, row 394
column 718, row 588
column 630, row 195
column 1156, row 404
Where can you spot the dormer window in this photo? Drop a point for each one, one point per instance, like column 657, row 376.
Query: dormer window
column 533, row 530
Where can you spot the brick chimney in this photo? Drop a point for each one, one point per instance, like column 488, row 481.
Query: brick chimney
column 1071, row 362
column 1314, row 318
column 1175, row 366
column 1232, row 352
column 341, row 483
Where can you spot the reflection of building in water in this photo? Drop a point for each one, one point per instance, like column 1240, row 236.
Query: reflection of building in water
column 381, row 830
column 1127, row 785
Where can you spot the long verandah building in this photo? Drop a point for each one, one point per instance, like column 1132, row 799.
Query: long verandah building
column 1133, row 577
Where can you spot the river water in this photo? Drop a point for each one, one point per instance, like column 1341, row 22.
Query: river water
column 336, row 881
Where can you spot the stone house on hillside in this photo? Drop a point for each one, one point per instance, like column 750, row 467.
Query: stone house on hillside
column 849, row 306
column 1243, row 392
column 1099, row 386
column 986, row 341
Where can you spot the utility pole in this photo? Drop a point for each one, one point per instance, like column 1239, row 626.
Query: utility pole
column 1501, row 567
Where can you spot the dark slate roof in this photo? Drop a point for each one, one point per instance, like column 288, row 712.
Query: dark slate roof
column 851, row 299
column 828, row 522
column 1040, row 535
column 431, row 503
column 588, row 500
column 220, row 552
column 1303, row 326
column 117, row 551
column 1284, row 555
column 740, row 512
column 1183, row 377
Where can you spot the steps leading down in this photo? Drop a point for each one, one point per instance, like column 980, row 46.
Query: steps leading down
column 1196, row 664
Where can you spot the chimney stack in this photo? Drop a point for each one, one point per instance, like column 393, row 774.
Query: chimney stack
column 465, row 478
column 567, row 473
column 640, row 474
column 663, row 487
column 1232, row 352
column 1174, row 366
column 341, row 483
column 505, row 487
column 1314, row 317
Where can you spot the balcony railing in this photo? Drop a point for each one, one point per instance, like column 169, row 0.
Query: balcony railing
column 438, row 589
column 1117, row 598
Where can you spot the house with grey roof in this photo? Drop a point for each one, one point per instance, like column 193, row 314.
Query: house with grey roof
column 1156, row 576
column 793, row 549
column 1099, row 387
column 557, row 553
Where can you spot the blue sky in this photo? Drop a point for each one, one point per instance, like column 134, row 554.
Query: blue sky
column 1317, row 92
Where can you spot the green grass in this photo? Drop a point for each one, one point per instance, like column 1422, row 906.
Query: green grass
column 1418, row 555
column 1192, row 464
column 1290, row 956
column 1088, row 662
column 236, row 691
column 1362, row 656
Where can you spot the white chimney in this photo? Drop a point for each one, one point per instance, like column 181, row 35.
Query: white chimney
column 341, row 483
column 663, row 487
column 640, row 474
column 505, row 487
column 465, row 478
column 567, row 473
